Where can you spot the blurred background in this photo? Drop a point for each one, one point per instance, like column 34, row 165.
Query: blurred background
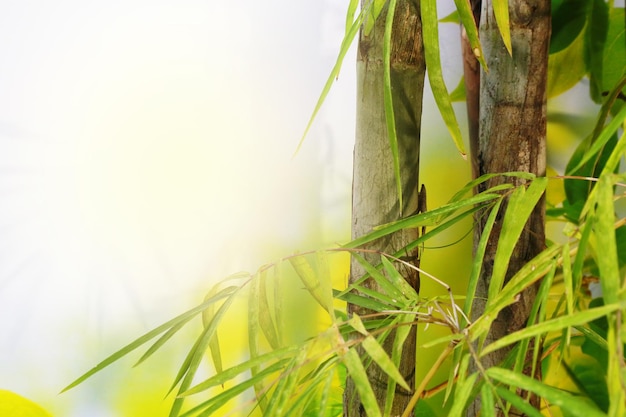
column 146, row 151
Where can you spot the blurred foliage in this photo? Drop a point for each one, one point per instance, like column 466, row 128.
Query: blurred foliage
column 14, row 405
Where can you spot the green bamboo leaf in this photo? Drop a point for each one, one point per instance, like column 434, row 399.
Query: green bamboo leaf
column 226, row 292
column 451, row 18
column 275, row 356
column 216, row 402
column 401, row 334
column 568, row 281
column 361, row 301
column 287, row 384
column 501, row 12
column 478, row 258
column 161, row 341
column 311, row 282
column 462, row 394
column 519, row 403
column 604, row 232
column 430, row 32
column 466, row 15
column 323, row 266
column 380, row 279
column 521, row 204
column 253, row 331
column 188, row 369
column 214, row 345
column 457, row 377
column 526, row 276
column 359, row 376
column 488, row 405
column 266, row 321
column 390, row 117
column 377, row 353
column 372, row 9
column 334, row 74
column 601, row 139
column 429, row 218
column 573, row 405
column 459, row 94
column 555, row 325
column 470, row 186
column 398, row 281
column 376, row 294
column 352, row 7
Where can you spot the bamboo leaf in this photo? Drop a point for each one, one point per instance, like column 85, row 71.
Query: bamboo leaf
column 605, row 237
column 161, row 341
column 312, row 282
column 574, row 406
column 478, row 257
column 390, row 118
column 380, row 279
column 402, row 332
column 377, row 353
column 214, row 345
column 276, row 356
column 210, row 406
column 287, row 384
column 520, row 206
column 527, row 275
column 501, row 12
column 462, row 394
column 361, row 301
column 334, row 74
column 429, row 218
column 467, row 19
column 398, row 281
column 188, row 369
column 430, row 32
column 266, row 321
column 602, row 134
column 323, row 267
column 488, row 405
column 253, row 331
column 554, row 325
column 359, row 376
column 518, row 402
column 152, row 334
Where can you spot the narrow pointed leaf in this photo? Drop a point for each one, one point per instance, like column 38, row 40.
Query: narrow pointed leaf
column 398, row 281
column 152, row 334
column 390, row 118
column 573, row 405
column 554, row 325
column 520, row 206
column 464, row 9
column 430, row 31
column 501, row 12
column 359, row 376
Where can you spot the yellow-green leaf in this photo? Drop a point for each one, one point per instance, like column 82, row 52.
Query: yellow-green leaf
column 501, row 12
column 430, row 30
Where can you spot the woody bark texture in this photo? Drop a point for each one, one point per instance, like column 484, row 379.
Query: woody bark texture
column 512, row 137
column 374, row 192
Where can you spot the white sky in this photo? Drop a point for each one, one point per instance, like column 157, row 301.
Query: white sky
column 145, row 150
